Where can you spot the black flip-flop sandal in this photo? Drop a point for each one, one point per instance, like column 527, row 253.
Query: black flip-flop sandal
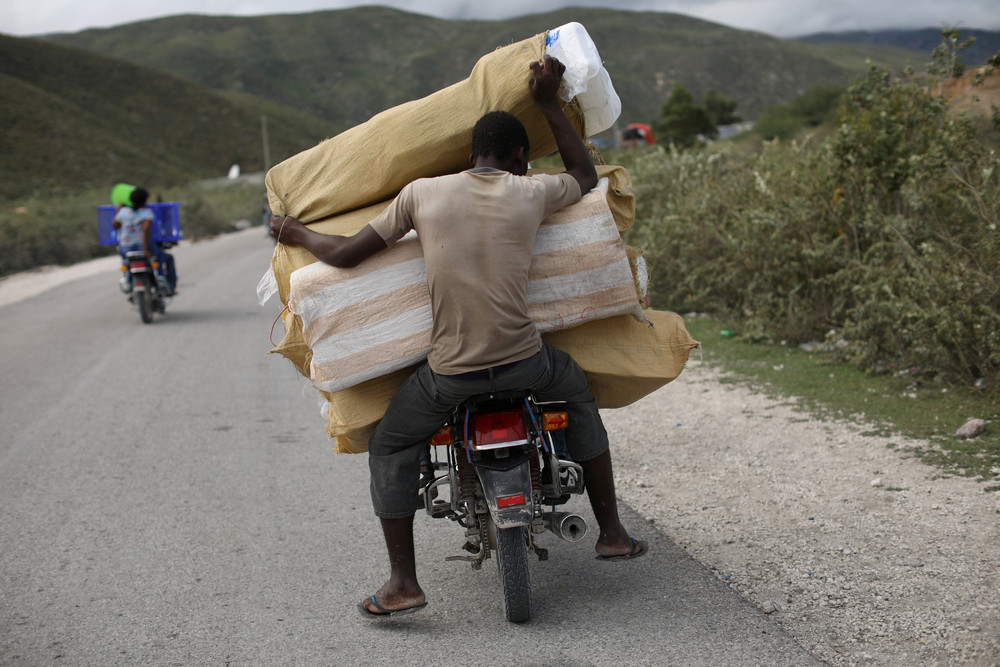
column 639, row 548
column 386, row 613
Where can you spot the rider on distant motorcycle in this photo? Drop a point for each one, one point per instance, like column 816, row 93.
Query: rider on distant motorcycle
column 134, row 222
column 477, row 230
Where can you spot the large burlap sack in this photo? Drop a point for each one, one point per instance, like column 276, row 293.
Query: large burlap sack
column 370, row 320
column 371, row 162
column 620, row 195
column 287, row 259
column 343, row 183
column 624, row 360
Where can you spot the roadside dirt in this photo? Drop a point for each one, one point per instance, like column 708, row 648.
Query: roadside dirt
column 20, row 286
column 864, row 555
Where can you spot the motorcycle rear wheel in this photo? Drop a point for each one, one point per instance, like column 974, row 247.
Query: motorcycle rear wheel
column 145, row 298
column 515, row 579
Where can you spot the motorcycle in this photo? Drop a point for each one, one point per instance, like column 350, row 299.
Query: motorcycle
column 500, row 469
column 148, row 287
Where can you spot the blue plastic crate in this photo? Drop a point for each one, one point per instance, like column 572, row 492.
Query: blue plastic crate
column 166, row 223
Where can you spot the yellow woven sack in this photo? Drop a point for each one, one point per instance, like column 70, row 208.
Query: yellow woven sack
column 371, row 162
column 287, row 259
column 368, row 320
column 624, row 360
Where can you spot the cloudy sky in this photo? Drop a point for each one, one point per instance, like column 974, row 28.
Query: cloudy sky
column 785, row 18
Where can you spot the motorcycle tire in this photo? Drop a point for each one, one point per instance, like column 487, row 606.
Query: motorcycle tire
column 145, row 298
column 515, row 579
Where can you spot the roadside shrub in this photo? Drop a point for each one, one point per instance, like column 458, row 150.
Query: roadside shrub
column 738, row 235
column 884, row 234
column 202, row 219
column 61, row 228
column 920, row 205
column 816, row 106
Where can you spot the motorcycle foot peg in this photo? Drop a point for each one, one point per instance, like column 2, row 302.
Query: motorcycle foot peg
column 570, row 527
column 439, row 509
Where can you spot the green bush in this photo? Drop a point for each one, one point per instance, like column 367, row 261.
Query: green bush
column 816, row 106
column 683, row 121
column 884, row 234
column 62, row 227
column 59, row 229
column 920, row 210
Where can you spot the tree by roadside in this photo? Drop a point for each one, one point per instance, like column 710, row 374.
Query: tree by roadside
column 721, row 108
column 682, row 121
column 813, row 108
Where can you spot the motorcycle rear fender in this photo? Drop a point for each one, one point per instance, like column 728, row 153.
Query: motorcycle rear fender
column 505, row 483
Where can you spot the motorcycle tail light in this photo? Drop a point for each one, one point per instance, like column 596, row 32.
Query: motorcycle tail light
column 442, row 437
column 499, row 428
column 516, row 500
column 138, row 266
column 554, row 421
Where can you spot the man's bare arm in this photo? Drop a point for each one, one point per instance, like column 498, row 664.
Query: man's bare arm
column 339, row 251
column 544, row 85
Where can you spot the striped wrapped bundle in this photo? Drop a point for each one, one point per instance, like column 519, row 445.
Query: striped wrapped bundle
column 373, row 319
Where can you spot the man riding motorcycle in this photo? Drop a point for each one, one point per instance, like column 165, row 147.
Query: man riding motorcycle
column 134, row 222
column 476, row 230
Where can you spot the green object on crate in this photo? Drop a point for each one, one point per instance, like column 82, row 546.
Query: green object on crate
column 121, row 194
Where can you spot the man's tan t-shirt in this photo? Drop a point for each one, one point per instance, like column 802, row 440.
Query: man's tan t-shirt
column 476, row 230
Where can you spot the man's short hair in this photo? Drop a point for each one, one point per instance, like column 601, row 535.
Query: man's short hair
column 499, row 134
column 139, row 197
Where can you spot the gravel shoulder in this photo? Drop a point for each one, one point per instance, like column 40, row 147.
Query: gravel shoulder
column 864, row 555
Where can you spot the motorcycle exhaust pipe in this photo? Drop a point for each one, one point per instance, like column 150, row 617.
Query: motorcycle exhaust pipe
column 571, row 527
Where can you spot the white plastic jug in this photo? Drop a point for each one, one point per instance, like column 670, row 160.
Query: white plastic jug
column 585, row 77
column 572, row 45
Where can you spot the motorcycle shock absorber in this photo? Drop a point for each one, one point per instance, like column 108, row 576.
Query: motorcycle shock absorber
column 536, row 477
column 467, row 480
column 467, row 483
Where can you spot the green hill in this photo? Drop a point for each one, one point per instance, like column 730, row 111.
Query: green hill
column 347, row 65
column 72, row 118
column 180, row 98
column 987, row 42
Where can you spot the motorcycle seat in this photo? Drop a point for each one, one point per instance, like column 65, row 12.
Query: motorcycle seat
column 496, row 398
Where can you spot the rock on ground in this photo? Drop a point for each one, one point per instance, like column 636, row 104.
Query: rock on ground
column 971, row 429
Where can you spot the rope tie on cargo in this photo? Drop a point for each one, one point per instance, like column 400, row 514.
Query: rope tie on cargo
column 275, row 323
column 277, row 237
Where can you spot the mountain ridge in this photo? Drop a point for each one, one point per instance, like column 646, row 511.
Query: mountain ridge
column 72, row 117
column 181, row 98
column 338, row 64
column 924, row 40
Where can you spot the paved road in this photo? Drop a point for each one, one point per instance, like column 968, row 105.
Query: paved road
column 168, row 497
